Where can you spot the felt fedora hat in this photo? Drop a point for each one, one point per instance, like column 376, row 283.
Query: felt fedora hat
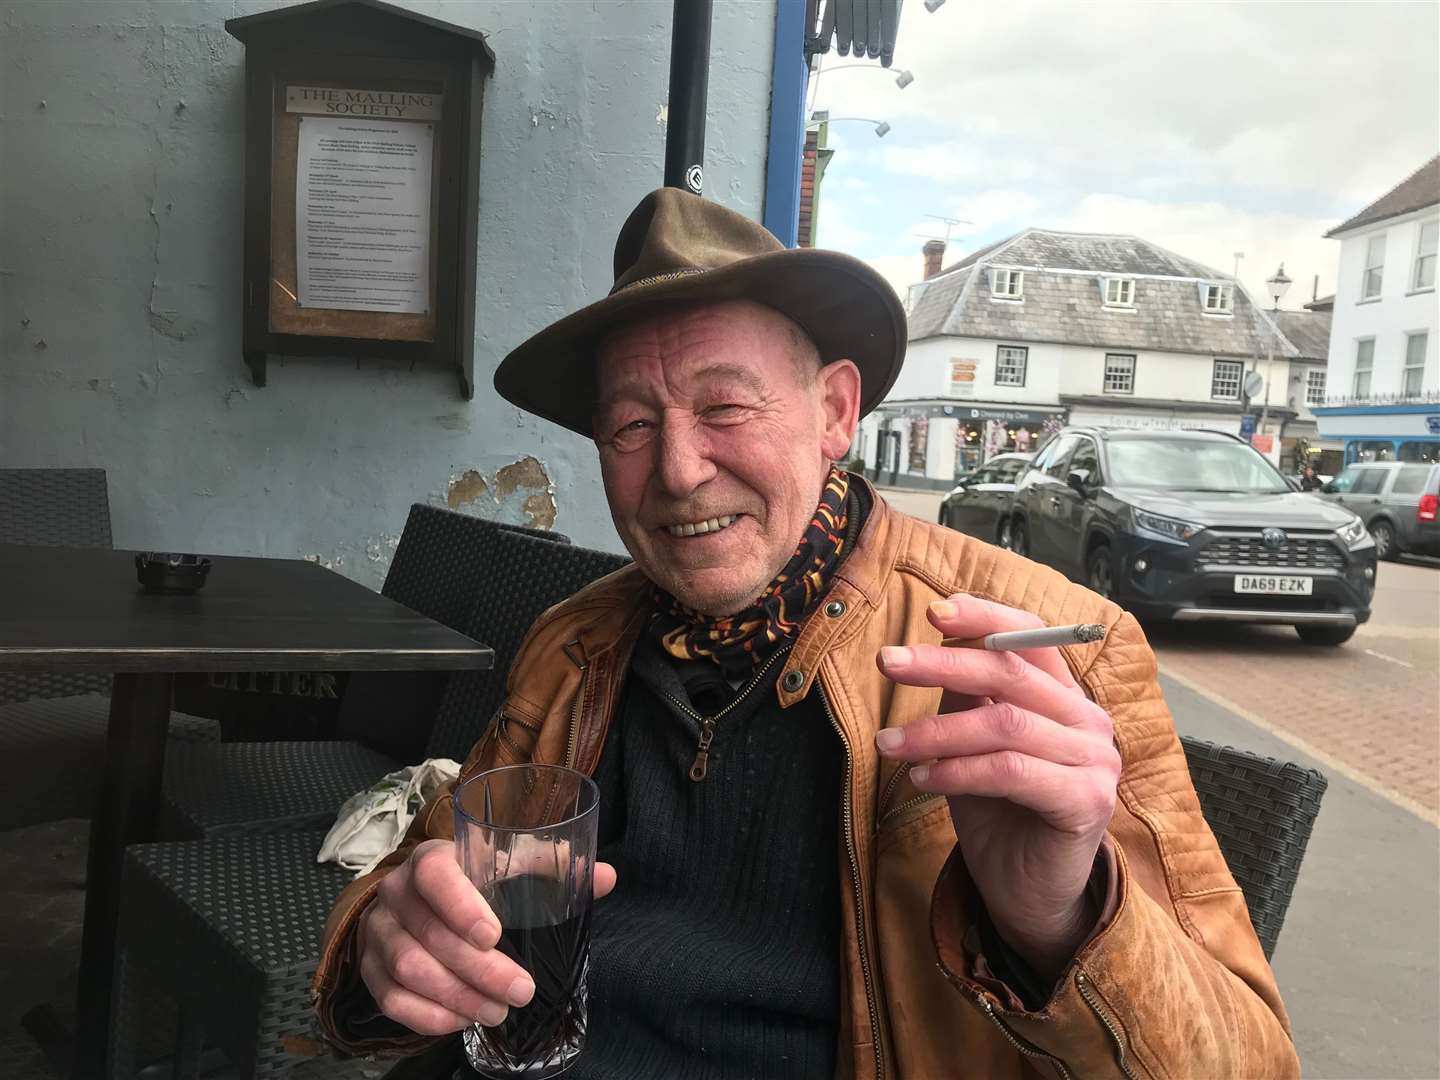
column 677, row 248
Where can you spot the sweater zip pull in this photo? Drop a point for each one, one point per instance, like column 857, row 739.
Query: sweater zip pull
column 702, row 750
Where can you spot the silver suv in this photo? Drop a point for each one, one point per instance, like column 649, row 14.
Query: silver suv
column 1396, row 500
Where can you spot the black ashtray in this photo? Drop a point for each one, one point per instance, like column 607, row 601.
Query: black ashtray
column 168, row 571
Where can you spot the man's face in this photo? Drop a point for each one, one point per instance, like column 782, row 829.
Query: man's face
column 716, row 428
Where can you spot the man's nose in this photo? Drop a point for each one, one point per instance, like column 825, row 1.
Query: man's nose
column 684, row 459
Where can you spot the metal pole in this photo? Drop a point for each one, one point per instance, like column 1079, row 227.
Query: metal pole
column 689, row 87
column 1269, row 376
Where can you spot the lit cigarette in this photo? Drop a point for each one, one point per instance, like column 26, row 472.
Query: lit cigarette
column 1044, row 638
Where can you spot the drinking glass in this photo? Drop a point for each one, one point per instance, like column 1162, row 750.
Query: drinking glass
column 525, row 836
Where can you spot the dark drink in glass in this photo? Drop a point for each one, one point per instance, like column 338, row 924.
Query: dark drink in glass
column 525, row 835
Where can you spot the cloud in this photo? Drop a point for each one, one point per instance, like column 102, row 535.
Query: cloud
column 1274, row 97
column 1206, row 127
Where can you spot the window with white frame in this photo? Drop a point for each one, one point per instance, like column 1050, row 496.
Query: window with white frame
column 1119, row 292
column 1415, row 346
column 1119, row 373
column 1219, row 299
column 1010, row 362
column 1315, row 386
column 1364, row 367
column 1425, row 256
column 1225, row 380
column 1374, row 275
column 1008, row 284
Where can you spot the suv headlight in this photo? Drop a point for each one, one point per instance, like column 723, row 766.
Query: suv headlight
column 1170, row 528
column 1354, row 534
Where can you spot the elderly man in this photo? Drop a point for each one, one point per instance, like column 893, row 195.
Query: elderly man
column 832, row 846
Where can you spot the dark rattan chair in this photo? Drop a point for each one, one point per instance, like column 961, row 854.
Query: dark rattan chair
column 443, row 561
column 53, row 508
column 226, row 943
column 1261, row 811
column 52, row 721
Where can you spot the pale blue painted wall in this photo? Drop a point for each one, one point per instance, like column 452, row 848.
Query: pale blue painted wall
column 120, row 226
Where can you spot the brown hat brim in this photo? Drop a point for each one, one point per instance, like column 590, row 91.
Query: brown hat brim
column 847, row 309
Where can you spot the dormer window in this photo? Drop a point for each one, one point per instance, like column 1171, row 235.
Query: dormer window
column 1119, row 292
column 1007, row 284
column 1218, row 299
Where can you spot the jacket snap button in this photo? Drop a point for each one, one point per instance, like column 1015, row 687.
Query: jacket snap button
column 793, row 680
column 835, row 608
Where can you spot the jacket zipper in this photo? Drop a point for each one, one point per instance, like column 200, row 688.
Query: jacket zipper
column 574, row 736
column 893, row 783
column 896, row 811
column 1029, row 1049
column 1083, row 985
column 849, row 821
column 700, row 766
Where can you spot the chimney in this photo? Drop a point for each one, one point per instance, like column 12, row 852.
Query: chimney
column 934, row 252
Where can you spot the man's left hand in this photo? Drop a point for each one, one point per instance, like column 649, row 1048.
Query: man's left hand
column 1030, row 768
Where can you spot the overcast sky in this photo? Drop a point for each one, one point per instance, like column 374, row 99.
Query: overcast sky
column 1208, row 128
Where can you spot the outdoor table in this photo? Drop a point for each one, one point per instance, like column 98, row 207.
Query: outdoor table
column 83, row 610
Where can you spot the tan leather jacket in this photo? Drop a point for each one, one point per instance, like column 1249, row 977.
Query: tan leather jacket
column 1174, row 985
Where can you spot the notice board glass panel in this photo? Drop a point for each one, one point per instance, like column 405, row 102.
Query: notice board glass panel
column 354, row 207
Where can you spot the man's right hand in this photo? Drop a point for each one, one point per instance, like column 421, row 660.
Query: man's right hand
column 427, row 946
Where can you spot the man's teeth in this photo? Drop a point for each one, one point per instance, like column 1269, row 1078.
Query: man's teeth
column 698, row 528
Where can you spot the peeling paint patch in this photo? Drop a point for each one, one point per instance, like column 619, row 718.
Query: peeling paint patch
column 380, row 549
column 527, row 472
column 540, row 508
column 520, row 492
column 468, row 487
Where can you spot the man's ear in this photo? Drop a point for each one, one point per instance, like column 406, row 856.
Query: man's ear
column 840, row 398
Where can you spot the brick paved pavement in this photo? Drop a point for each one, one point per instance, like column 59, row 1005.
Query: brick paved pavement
column 1372, row 705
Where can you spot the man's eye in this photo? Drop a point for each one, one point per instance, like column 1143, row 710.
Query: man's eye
column 635, row 433
column 725, row 410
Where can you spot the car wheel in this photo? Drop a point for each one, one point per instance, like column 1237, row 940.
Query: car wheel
column 1019, row 540
column 1100, row 572
column 1383, row 533
column 1325, row 635
column 1002, row 535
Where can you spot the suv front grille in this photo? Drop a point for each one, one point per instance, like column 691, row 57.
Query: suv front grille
column 1297, row 553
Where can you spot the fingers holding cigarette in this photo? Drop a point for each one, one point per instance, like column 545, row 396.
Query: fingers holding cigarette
column 1044, row 637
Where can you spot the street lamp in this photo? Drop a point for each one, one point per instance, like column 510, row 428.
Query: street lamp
column 1277, row 285
column 902, row 79
column 882, row 127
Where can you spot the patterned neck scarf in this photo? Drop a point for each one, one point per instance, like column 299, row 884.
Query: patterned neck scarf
column 740, row 642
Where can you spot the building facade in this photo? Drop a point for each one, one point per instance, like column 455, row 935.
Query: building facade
column 1051, row 327
column 1383, row 402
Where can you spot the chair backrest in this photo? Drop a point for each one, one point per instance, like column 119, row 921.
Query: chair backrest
column 53, row 508
column 441, row 560
column 438, row 568
column 525, row 576
column 1261, row 811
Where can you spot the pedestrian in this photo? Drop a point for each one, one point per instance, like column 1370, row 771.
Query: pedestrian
column 831, row 846
column 1309, row 481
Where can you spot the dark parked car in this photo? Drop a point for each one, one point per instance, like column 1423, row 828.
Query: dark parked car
column 980, row 501
column 1396, row 500
column 1193, row 526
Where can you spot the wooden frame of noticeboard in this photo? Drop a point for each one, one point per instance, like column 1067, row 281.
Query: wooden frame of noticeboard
column 353, row 50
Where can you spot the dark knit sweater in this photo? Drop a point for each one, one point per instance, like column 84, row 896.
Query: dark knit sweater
column 718, row 953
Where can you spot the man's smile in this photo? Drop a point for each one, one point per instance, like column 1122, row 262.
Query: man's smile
column 700, row 528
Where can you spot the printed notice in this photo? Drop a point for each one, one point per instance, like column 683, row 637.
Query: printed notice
column 362, row 214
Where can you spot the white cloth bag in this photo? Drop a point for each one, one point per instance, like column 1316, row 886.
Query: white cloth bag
column 372, row 822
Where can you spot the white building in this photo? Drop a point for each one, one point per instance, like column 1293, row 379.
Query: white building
column 1051, row 327
column 1384, row 378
